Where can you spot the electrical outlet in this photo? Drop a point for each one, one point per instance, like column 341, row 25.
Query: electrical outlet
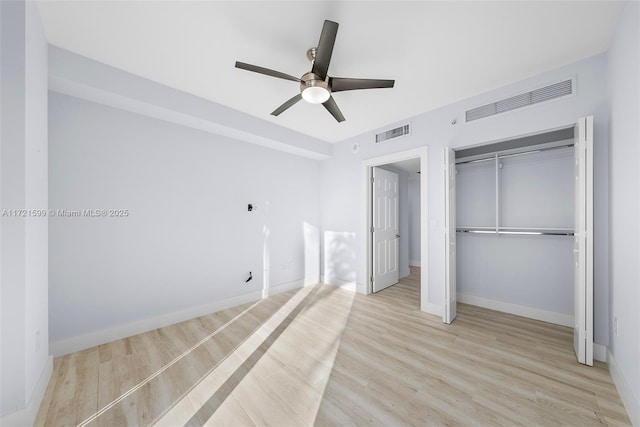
column 615, row 326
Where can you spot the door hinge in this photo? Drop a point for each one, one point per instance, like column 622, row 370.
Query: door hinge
column 372, row 228
column 371, row 179
column 371, row 279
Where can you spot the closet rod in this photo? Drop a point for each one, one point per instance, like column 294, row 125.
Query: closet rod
column 504, row 156
column 522, row 233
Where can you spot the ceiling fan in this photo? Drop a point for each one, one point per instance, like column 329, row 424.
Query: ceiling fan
column 316, row 86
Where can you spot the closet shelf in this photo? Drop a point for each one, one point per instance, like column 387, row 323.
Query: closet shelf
column 529, row 231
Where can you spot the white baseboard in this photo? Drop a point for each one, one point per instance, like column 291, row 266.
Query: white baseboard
column 27, row 416
column 434, row 309
column 517, row 309
column 285, row 287
column 631, row 402
column 600, row 352
column 344, row 284
column 414, row 262
column 103, row 336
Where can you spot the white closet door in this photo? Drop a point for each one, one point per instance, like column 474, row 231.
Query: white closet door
column 385, row 229
column 450, row 299
column 583, row 242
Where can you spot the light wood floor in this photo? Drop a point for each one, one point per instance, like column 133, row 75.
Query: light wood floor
column 325, row 356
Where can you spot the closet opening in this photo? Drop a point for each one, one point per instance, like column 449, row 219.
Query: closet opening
column 519, row 229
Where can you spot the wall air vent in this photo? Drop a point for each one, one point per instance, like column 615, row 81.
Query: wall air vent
column 546, row 93
column 393, row 133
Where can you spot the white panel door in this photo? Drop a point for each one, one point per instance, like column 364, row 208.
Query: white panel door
column 385, row 229
column 583, row 242
column 450, row 299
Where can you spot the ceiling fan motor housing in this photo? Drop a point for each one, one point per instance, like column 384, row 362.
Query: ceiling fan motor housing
column 314, row 89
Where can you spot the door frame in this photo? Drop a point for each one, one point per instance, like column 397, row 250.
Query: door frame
column 367, row 200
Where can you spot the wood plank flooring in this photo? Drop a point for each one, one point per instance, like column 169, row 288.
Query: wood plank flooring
column 324, row 356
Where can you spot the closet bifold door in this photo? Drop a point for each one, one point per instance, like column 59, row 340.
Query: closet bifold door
column 583, row 242
column 450, row 299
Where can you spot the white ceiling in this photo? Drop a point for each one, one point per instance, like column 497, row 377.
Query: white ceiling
column 438, row 52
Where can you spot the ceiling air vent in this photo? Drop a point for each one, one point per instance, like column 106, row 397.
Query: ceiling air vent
column 393, row 133
column 546, row 93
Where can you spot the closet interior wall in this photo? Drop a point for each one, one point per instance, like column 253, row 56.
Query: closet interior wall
column 530, row 192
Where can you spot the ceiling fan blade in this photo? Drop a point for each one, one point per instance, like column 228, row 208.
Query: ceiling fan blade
column 325, row 49
column 266, row 71
column 339, row 84
column 286, row 105
column 332, row 107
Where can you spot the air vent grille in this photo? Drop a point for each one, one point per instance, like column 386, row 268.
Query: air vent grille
column 529, row 98
column 393, row 133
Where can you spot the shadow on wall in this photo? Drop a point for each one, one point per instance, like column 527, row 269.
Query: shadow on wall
column 339, row 257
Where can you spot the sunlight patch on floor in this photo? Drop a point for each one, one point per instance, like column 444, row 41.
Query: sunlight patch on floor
column 277, row 375
column 183, row 410
column 163, row 369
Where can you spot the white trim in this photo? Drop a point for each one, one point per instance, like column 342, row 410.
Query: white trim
column 345, row 284
column 414, row 263
column 285, row 287
column 517, row 309
column 103, row 336
column 434, row 309
column 631, row 403
column 600, row 352
column 27, row 416
column 365, row 238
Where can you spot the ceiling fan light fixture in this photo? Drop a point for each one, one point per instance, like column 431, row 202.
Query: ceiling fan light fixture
column 315, row 95
column 314, row 91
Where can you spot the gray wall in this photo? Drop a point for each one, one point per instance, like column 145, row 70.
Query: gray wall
column 536, row 191
column 188, row 239
column 342, row 180
column 624, row 199
column 533, row 271
column 414, row 222
column 26, row 364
